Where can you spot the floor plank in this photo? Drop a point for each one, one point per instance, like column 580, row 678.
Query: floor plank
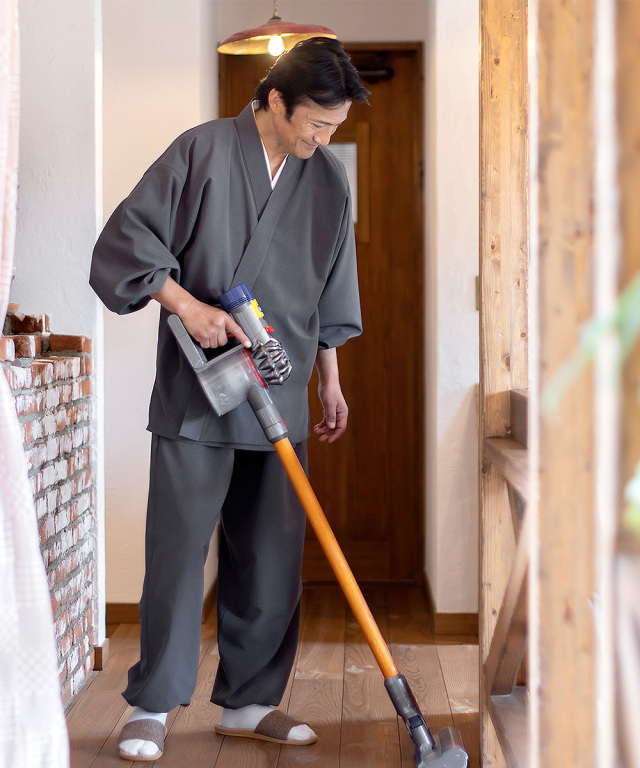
column 469, row 726
column 191, row 741
column 317, row 691
column 460, row 668
column 251, row 753
column 416, row 656
column 336, row 686
column 369, row 721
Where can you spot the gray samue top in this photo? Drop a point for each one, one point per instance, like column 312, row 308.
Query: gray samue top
column 191, row 216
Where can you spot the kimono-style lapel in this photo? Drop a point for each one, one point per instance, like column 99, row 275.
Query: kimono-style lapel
column 269, row 204
column 253, row 153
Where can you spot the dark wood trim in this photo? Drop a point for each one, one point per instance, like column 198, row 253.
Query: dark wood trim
column 127, row 613
column 450, row 623
column 455, row 624
column 122, row 613
column 101, row 656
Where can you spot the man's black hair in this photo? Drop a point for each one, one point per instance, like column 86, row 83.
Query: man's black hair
column 318, row 69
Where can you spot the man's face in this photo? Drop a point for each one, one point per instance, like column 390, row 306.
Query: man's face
column 309, row 126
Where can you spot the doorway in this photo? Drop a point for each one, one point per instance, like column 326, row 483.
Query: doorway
column 370, row 483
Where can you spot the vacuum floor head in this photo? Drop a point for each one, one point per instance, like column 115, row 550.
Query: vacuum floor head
column 447, row 752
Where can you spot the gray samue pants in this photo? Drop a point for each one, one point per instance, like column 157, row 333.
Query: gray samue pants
column 259, row 582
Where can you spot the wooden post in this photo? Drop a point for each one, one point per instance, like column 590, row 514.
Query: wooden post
column 564, row 611
column 628, row 85
column 503, row 325
column 628, row 565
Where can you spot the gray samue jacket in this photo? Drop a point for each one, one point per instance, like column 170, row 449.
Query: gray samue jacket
column 191, row 216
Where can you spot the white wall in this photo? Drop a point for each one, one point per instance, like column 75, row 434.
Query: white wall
column 155, row 86
column 452, row 200
column 59, row 173
column 352, row 20
column 158, row 82
column 59, row 197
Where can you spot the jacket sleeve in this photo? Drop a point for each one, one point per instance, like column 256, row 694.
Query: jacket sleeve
column 339, row 305
column 137, row 248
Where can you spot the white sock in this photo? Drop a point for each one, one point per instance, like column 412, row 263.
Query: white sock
column 248, row 718
column 140, row 747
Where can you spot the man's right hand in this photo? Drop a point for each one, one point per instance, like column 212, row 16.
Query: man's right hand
column 209, row 326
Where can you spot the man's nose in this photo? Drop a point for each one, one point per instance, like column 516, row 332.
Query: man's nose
column 323, row 136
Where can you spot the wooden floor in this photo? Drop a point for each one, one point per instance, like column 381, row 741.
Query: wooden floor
column 335, row 686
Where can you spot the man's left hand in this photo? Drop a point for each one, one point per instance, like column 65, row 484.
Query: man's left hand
column 335, row 412
column 334, row 406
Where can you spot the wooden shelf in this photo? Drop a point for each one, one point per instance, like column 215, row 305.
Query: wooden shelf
column 511, row 459
column 510, row 715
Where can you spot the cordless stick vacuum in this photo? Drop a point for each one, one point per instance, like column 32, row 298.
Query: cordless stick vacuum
column 241, row 375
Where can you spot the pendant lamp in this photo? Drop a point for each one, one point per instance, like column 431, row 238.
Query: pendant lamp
column 274, row 37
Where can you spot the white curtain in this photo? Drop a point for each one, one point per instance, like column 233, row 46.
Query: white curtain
column 32, row 726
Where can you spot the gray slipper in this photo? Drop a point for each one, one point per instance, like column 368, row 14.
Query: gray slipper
column 147, row 729
column 273, row 727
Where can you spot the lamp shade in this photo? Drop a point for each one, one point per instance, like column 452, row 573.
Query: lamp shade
column 257, row 40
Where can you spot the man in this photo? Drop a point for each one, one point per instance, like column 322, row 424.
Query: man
column 257, row 197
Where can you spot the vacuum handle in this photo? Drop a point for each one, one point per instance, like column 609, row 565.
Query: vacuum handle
column 194, row 354
column 268, row 353
column 243, row 306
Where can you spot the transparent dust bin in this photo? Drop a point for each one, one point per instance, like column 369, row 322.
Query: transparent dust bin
column 227, row 378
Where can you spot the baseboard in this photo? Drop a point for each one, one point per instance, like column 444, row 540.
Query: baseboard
column 127, row 613
column 101, row 656
column 451, row 624
column 122, row 613
column 456, row 624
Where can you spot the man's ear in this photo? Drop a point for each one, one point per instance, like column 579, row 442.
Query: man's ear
column 276, row 102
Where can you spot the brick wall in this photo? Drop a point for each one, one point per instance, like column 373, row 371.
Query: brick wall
column 50, row 377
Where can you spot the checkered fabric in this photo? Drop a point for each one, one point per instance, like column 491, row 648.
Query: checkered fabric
column 33, row 731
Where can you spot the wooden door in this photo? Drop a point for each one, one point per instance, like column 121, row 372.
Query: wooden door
column 370, row 482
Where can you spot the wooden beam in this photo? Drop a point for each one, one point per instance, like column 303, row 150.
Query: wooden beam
column 628, row 69
column 510, row 635
column 518, row 512
column 511, row 459
column 511, row 716
column 628, row 562
column 497, row 550
column 503, row 307
column 627, row 573
column 565, row 690
column 503, row 209
column 518, row 507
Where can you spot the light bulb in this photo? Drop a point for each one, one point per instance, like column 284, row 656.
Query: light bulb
column 276, row 45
